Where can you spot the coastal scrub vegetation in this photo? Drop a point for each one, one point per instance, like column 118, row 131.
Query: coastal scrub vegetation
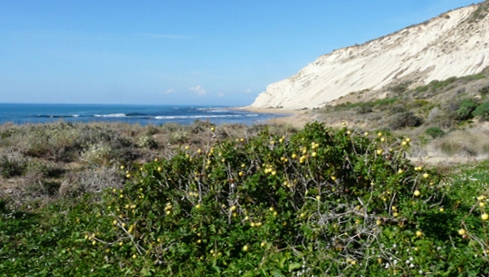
column 265, row 201
column 432, row 114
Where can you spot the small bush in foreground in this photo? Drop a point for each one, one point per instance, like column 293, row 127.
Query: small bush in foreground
column 319, row 202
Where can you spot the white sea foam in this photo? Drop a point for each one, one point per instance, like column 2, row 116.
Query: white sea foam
column 111, row 115
column 196, row 116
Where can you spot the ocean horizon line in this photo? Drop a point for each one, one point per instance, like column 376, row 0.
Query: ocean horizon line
column 20, row 113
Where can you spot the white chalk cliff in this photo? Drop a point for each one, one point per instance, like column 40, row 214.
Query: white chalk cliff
column 455, row 43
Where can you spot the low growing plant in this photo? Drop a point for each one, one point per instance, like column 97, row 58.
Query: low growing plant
column 482, row 111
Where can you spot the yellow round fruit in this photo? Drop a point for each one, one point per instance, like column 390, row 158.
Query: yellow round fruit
column 419, row 233
column 485, row 216
column 461, row 232
column 417, row 193
column 245, row 248
column 426, row 175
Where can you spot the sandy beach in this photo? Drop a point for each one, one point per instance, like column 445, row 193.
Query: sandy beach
column 297, row 118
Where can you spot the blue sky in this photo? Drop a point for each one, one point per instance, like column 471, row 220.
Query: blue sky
column 170, row 52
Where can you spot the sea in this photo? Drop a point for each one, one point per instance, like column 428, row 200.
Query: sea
column 133, row 114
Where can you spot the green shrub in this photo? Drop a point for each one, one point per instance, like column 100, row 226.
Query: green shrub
column 482, row 111
column 147, row 142
column 179, row 136
column 98, row 154
column 466, row 107
column 12, row 164
column 320, row 202
column 434, row 132
column 406, row 119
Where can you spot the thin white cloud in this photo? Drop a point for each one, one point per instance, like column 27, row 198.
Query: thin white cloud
column 200, row 90
column 220, row 94
column 169, row 91
column 248, row 91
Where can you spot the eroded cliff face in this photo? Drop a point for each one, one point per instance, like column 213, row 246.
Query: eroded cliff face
column 453, row 44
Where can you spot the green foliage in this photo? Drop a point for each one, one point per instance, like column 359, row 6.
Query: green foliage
column 179, row 136
column 434, row 132
column 480, row 13
column 436, row 85
column 482, row 111
column 275, row 205
column 466, row 107
column 319, row 202
column 147, row 142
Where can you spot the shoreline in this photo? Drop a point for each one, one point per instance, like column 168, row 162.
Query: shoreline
column 294, row 118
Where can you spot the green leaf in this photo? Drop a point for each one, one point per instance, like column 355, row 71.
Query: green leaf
column 277, row 273
column 294, row 266
column 249, row 274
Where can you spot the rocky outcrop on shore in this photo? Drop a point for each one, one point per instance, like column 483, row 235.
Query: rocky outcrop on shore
column 455, row 43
